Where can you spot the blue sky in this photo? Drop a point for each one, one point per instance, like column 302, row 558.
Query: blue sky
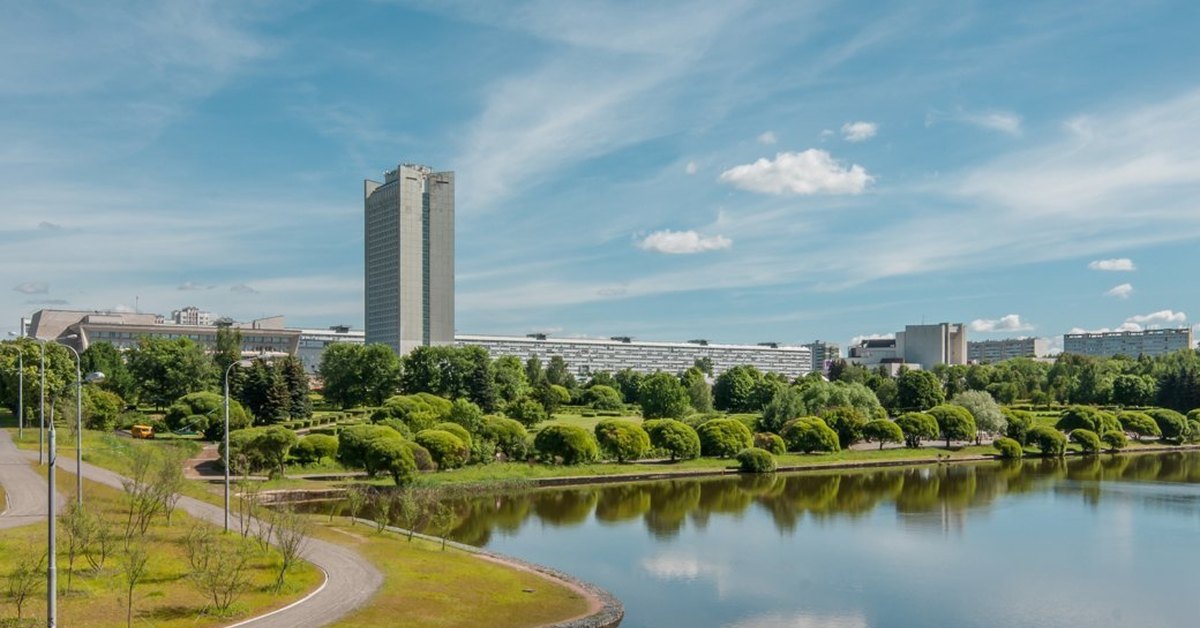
column 740, row 171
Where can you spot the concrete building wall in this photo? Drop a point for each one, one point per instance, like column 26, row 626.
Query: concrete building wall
column 991, row 351
column 1150, row 342
column 930, row 345
column 440, row 186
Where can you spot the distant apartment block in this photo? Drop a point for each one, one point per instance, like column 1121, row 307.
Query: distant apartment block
column 925, row 346
column 409, row 258
column 124, row 329
column 192, row 315
column 1150, row 342
column 823, row 354
column 991, row 351
column 587, row 356
column 313, row 343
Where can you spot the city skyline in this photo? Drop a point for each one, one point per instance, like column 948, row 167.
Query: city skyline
column 740, row 171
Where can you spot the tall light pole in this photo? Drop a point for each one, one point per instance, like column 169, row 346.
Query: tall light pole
column 79, row 380
column 51, row 519
column 20, row 388
column 42, row 404
column 228, row 454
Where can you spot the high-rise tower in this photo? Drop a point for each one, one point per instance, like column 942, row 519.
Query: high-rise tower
column 409, row 258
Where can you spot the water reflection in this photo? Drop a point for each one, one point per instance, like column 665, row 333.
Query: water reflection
column 934, row 496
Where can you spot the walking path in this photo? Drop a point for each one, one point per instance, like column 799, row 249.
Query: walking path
column 350, row 580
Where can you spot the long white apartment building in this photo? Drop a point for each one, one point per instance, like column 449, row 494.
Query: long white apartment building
column 313, row 343
column 585, row 356
column 1150, row 342
column 991, row 351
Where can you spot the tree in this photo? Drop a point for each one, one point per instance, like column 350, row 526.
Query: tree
column 1134, row 390
column 809, row 434
column 1008, row 448
column 466, row 414
column 510, row 379
column 1171, row 424
column 77, row 527
column 770, row 442
column 534, row 373
column 265, row 393
column 1088, row 440
column 315, row 448
column 205, row 411
column 133, row 571
column 1017, row 424
column 847, row 421
column 27, row 575
column 353, row 441
column 101, row 408
column 733, row 390
column 448, row 450
column 527, row 411
column 392, row 456
column 167, row 369
column 818, row 395
column 698, row 390
column 918, row 390
column 295, row 381
column 678, row 439
column 917, row 426
column 985, row 411
column 755, row 460
column 954, row 422
column 601, row 397
column 629, row 382
column 273, row 446
column 291, row 537
column 1140, row 423
column 622, row 440
column 354, row 375
column 218, row 567
column 723, row 437
column 510, row 436
column 104, row 358
column 558, row 373
column 1048, row 439
column 229, row 347
column 883, row 431
column 787, row 405
column 551, row 396
column 1115, row 440
column 662, row 396
column 569, row 444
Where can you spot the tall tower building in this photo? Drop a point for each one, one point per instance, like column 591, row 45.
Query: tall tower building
column 409, row 263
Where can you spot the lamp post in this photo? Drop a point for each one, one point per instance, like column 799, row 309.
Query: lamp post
column 20, row 388
column 228, row 454
column 79, row 380
column 42, row 404
column 51, row 551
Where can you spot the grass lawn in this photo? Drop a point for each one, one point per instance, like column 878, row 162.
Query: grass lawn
column 426, row 586
column 166, row 596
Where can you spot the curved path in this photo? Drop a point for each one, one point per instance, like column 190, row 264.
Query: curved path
column 350, row 580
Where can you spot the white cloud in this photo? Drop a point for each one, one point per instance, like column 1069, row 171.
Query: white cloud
column 1121, row 292
column 859, row 131
column 191, row 285
column 32, row 287
column 992, row 119
column 690, row 168
column 1117, row 264
column 242, row 289
column 767, row 138
column 683, row 242
column 1009, row 322
column 1161, row 317
column 813, row 171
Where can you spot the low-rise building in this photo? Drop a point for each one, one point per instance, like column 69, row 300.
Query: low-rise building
column 313, row 343
column 921, row 346
column 991, row 351
column 1150, row 342
column 124, row 329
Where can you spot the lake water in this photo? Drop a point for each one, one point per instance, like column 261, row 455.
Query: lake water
column 1101, row 541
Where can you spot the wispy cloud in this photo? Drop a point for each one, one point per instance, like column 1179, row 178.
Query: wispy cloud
column 683, row 242
column 1007, row 323
column 32, row 287
column 992, row 119
column 859, row 131
column 767, row 138
column 813, row 171
column 1121, row 291
column 1161, row 317
column 690, row 168
column 242, row 288
column 1119, row 264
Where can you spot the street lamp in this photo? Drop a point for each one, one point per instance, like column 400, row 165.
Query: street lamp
column 79, row 380
column 20, row 388
column 229, row 454
column 51, row 551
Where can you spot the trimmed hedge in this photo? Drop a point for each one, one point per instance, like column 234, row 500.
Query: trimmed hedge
column 884, row 431
column 723, row 437
column 917, row 426
column 1140, row 423
column 447, row 449
column 770, row 442
column 511, row 438
column 1049, row 440
column 569, row 444
column 1087, row 440
column 755, row 460
column 1115, row 439
column 622, row 440
column 809, row 434
column 676, row 438
column 456, row 429
column 1008, row 448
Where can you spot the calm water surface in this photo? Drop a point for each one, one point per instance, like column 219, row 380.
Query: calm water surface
column 1103, row 541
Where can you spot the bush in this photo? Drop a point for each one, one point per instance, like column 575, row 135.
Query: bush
column 457, row 430
column 770, row 442
column 1008, row 448
column 510, row 436
column 421, row 456
column 723, row 437
column 467, row 415
column 622, row 440
column 101, row 408
column 352, row 444
column 210, row 407
column 1049, row 440
column 1018, row 424
column 884, row 431
column 400, row 426
column 528, row 411
column 1140, row 423
column 954, row 422
column 755, row 460
column 569, row 444
column 809, row 434
column 1087, row 418
column 1193, row 430
column 1088, row 440
column 676, row 438
column 847, row 421
column 419, row 412
column 917, row 426
column 601, row 397
column 447, row 449
column 1171, row 424
column 1115, row 439
column 315, row 447
column 392, row 456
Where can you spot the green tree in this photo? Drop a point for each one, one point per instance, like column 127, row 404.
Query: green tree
column 558, row 373
column 448, row 450
column 629, row 382
column 468, row 415
column 229, row 347
column 787, row 405
column 265, row 393
column 883, row 431
column 353, row 441
column 662, row 396
column 699, row 392
column 167, row 369
column 1008, row 448
column 1049, row 440
column 602, row 397
column 1134, row 390
column 527, row 411
column 393, row 457
column 755, row 460
column 1172, row 425
column 104, row 358
column 723, row 437
column 534, row 373
column 622, row 440
column 918, row 390
column 678, row 439
column 847, row 421
column 354, row 375
column 917, row 426
column 809, row 434
column 101, row 408
column 734, row 389
column 295, row 381
column 984, row 409
column 1088, row 440
column 954, row 422
column 315, row 448
column 273, row 446
column 569, row 444
column 1017, row 424
column 1140, row 423
column 509, row 376
column 204, row 412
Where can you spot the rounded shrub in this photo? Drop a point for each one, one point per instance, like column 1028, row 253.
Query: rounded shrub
column 1193, row 434
column 1049, row 440
column 1088, row 441
column 622, row 440
column 883, row 431
column 421, row 456
column 352, row 444
column 1008, row 448
column 755, row 460
column 847, row 421
column 210, row 407
column 466, row 414
column 954, row 422
column 723, row 437
column 315, row 447
column 396, row 424
column 675, row 438
column 1140, row 424
column 1171, row 424
column 510, row 436
column 447, row 449
column 393, row 457
column 456, row 429
column 101, row 408
column 917, row 426
column 809, row 434
column 601, row 397
column 1115, row 440
column 770, row 442
column 569, row 444
column 1079, row 418
column 1018, row 423
column 526, row 410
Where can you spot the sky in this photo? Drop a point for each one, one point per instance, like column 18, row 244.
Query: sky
column 741, row 171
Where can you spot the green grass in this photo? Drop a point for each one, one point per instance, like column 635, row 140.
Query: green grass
column 426, row 586
column 167, row 596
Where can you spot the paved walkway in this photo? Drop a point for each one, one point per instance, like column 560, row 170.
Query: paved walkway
column 350, row 579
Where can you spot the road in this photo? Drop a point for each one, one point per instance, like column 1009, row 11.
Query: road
column 350, row 579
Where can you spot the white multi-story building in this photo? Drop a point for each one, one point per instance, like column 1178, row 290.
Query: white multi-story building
column 124, row 329
column 313, row 343
column 923, row 346
column 990, row 351
column 1150, row 342
column 192, row 315
column 587, row 356
column 409, row 258
column 823, row 354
